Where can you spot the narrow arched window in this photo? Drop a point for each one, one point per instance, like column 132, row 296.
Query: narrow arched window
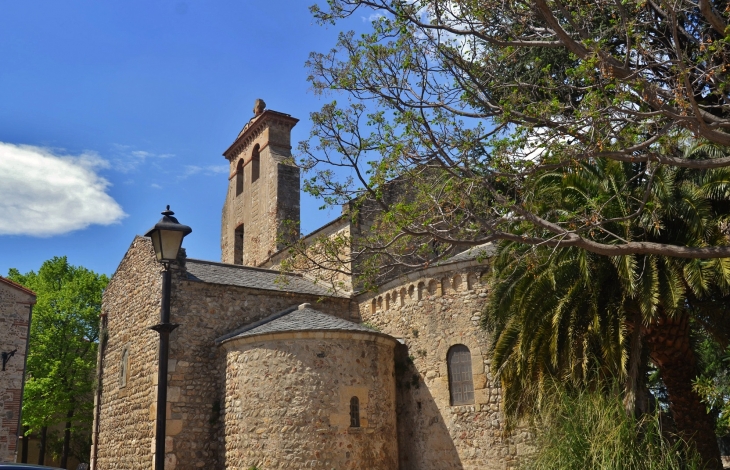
column 354, row 412
column 461, row 383
column 255, row 163
column 238, row 245
column 239, row 177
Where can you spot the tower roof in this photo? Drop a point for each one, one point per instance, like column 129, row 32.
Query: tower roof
column 254, row 127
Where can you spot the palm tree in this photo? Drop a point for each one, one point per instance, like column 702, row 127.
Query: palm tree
column 577, row 316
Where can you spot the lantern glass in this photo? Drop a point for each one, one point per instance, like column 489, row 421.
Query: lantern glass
column 169, row 244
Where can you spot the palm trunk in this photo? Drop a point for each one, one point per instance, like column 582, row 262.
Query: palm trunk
column 670, row 350
column 42, row 450
column 66, row 439
column 631, row 387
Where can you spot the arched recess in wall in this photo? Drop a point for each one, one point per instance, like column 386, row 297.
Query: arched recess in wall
column 456, row 283
column 421, row 290
column 238, row 245
column 239, row 177
column 461, row 382
column 433, row 286
column 471, row 281
column 403, row 296
column 445, row 286
column 255, row 163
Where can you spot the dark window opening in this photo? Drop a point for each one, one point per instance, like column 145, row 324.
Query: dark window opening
column 238, row 245
column 461, row 383
column 255, row 164
column 239, row 177
column 354, row 412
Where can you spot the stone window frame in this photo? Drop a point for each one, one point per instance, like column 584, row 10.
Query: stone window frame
column 342, row 418
column 460, row 374
column 354, row 412
column 124, row 367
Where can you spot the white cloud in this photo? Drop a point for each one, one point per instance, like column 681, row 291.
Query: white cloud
column 210, row 170
column 44, row 194
column 128, row 160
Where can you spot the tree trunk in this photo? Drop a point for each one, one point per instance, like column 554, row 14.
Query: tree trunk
column 670, row 350
column 42, row 450
column 24, row 452
column 631, row 387
column 66, row 439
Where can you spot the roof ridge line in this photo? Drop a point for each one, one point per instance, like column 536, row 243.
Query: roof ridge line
column 256, row 324
column 240, row 266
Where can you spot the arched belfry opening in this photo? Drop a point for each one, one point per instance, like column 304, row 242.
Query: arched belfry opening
column 255, row 163
column 239, row 178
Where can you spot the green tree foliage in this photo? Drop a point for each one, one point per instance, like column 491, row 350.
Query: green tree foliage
column 582, row 429
column 713, row 384
column 467, row 102
column 64, row 338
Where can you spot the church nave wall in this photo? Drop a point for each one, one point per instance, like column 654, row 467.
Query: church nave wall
column 432, row 311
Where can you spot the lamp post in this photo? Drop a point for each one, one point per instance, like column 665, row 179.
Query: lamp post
column 167, row 236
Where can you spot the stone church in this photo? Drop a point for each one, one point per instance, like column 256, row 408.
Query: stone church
column 273, row 370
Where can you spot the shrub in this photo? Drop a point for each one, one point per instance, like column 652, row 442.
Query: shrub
column 590, row 430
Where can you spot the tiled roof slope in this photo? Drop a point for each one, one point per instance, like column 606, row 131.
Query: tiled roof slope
column 485, row 251
column 255, row 278
column 298, row 318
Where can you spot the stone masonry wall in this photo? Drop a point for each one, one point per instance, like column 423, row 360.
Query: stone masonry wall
column 15, row 311
column 131, row 304
column 197, row 374
column 433, row 310
column 288, row 402
column 316, row 265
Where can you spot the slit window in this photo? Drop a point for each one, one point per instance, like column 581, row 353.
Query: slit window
column 238, row 245
column 239, row 177
column 461, row 383
column 255, row 164
column 124, row 368
column 354, row 412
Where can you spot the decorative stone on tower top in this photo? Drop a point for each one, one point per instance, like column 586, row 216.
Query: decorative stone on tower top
column 258, row 107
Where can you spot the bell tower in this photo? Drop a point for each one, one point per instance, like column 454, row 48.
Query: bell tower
column 262, row 204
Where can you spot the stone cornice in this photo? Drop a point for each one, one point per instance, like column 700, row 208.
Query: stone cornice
column 255, row 127
column 246, row 161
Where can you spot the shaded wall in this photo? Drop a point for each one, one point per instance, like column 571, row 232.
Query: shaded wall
column 15, row 311
column 433, row 310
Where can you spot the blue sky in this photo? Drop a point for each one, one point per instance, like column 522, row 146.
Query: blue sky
column 111, row 110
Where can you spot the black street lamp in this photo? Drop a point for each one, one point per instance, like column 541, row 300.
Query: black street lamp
column 167, row 236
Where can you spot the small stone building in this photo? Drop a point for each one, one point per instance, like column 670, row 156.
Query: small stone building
column 276, row 370
column 16, row 304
